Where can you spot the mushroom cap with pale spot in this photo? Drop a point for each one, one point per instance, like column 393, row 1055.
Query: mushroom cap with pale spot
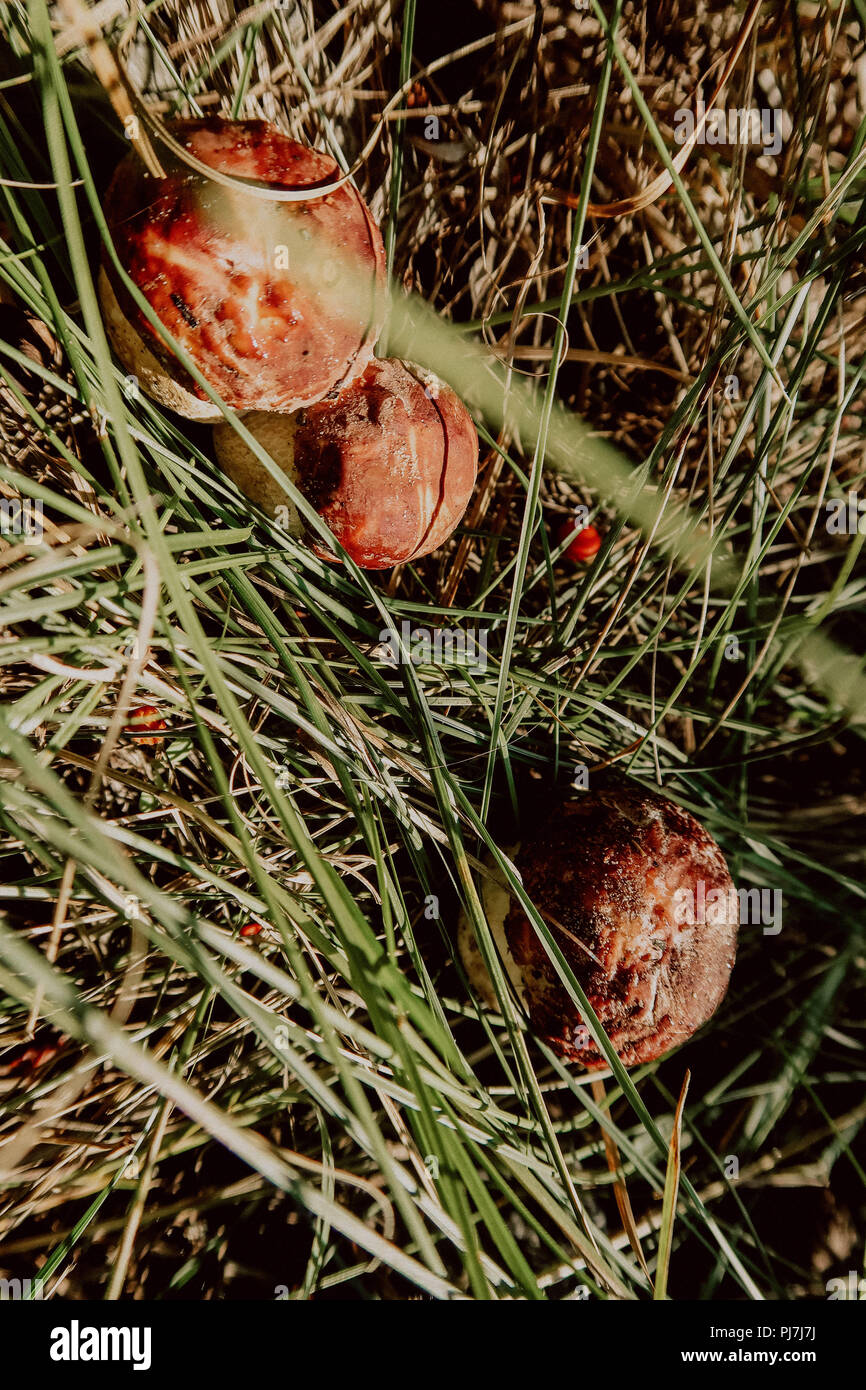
column 276, row 302
column 609, row 874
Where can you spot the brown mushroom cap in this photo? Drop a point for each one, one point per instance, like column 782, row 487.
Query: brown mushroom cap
column 389, row 464
column 614, row 875
column 215, row 264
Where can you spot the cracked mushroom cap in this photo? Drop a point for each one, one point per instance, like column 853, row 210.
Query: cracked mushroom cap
column 389, row 464
column 277, row 303
column 617, row 877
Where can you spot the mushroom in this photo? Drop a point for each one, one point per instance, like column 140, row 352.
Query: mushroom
column 389, row 463
column 639, row 899
column 276, row 302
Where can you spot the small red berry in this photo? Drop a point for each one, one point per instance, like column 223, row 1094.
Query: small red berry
column 144, row 721
column 585, row 545
column 251, row 928
column 33, row 1057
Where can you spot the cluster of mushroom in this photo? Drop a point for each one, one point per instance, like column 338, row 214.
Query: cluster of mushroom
column 387, row 455
column 278, row 302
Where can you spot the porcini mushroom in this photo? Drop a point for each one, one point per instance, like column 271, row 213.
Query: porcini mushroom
column 640, row 901
column 276, row 302
column 389, row 464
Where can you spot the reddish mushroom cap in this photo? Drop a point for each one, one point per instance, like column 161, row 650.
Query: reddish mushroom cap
column 215, row 264
column 613, row 875
column 389, row 464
